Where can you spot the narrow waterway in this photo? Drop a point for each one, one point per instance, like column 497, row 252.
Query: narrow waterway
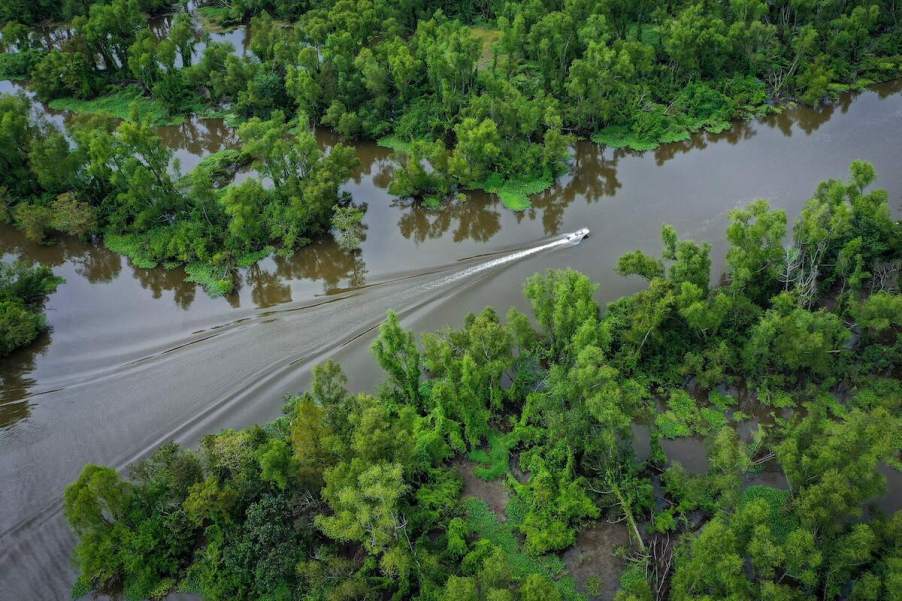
column 136, row 357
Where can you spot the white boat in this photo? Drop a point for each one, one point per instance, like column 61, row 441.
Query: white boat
column 578, row 235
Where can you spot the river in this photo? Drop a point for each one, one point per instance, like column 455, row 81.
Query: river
column 136, row 357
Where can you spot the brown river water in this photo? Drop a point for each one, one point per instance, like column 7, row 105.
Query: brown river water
column 136, row 357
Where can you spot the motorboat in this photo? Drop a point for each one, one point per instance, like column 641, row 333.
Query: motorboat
column 578, row 235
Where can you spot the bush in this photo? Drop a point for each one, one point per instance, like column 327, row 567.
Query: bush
column 33, row 220
column 18, row 65
column 61, row 74
column 18, row 326
column 22, row 292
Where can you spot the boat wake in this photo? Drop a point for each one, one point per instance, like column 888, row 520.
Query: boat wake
column 229, row 375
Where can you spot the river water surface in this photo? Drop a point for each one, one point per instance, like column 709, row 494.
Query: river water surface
column 136, row 357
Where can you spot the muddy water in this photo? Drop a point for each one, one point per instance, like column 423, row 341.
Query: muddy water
column 136, row 357
column 596, row 559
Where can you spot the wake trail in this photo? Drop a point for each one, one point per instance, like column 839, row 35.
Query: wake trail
column 564, row 240
column 249, row 318
column 277, row 373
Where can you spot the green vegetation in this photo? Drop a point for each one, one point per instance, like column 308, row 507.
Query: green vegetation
column 215, row 17
column 216, row 280
column 481, row 521
column 494, row 461
column 515, row 192
column 621, row 136
column 23, row 290
column 37, row 13
column 122, row 104
column 397, row 144
column 350, row 496
column 498, row 91
column 684, row 417
column 119, row 181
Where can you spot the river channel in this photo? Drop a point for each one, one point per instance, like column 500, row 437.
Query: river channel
column 136, row 357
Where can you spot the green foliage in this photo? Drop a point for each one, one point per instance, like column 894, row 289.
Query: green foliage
column 347, row 222
column 23, row 291
column 680, row 418
column 634, row 585
column 397, row 144
column 18, row 65
column 515, row 192
column 131, row 247
column 791, row 339
column 494, row 462
column 879, row 311
column 832, row 463
column 121, row 180
column 622, row 136
column 121, row 104
column 484, row 523
column 563, row 303
column 684, row 417
column 498, row 83
column 215, row 280
column 780, row 521
column 397, row 354
column 366, row 511
column 18, row 326
column 756, row 253
column 555, row 503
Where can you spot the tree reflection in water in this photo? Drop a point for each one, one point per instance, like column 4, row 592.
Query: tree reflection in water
column 478, row 217
column 15, row 381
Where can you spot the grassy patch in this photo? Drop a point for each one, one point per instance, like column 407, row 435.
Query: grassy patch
column 487, row 37
column 205, row 111
column 221, row 165
column 483, row 522
column 132, row 246
column 433, row 202
column 396, row 143
column 493, row 463
column 781, row 520
column 222, row 159
column 255, row 257
column 217, row 281
column 119, row 104
column 515, row 192
column 621, row 136
column 216, row 18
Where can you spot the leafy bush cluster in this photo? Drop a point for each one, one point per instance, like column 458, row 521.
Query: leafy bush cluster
column 23, row 290
column 356, row 496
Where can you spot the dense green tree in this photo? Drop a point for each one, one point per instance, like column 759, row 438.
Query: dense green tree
column 831, row 465
column 563, row 304
column 756, row 253
column 397, row 353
